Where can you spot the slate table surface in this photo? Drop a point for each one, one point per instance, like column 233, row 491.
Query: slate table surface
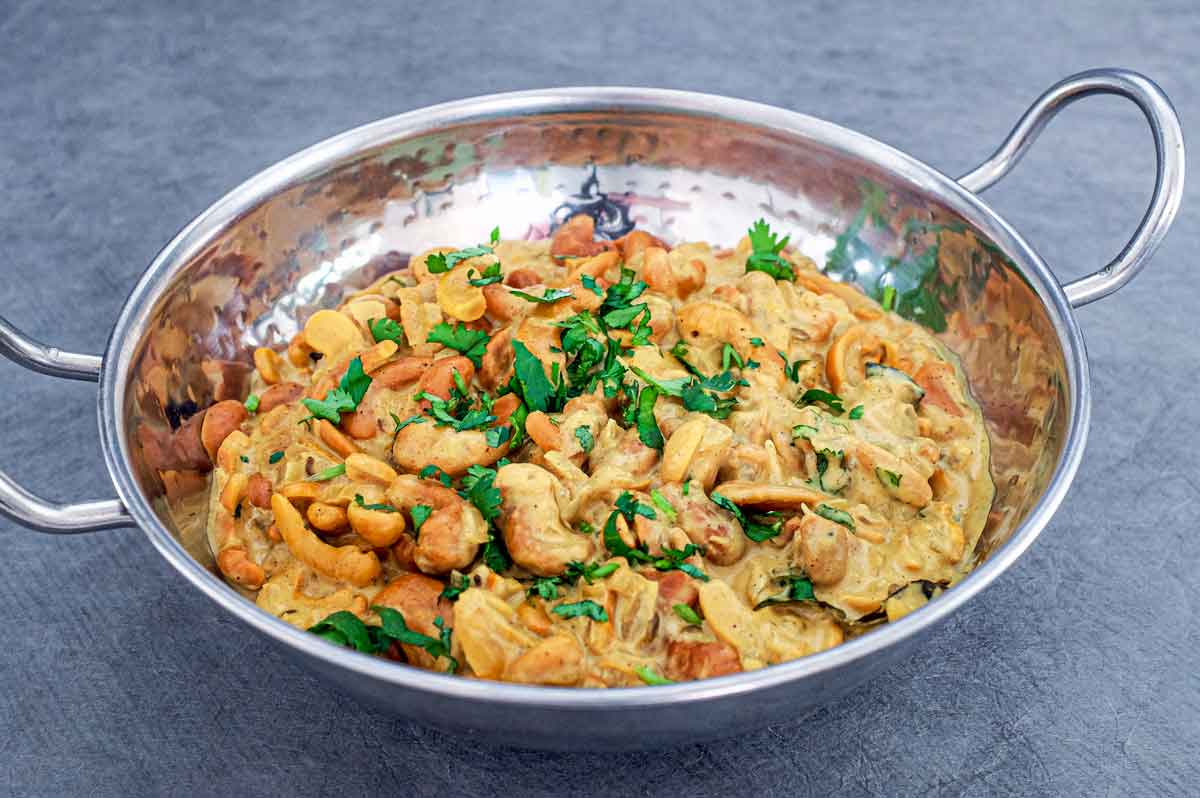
column 1075, row 674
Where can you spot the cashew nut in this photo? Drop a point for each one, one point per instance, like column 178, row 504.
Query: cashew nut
column 344, row 563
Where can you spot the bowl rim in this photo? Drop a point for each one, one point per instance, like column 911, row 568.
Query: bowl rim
column 313, row 160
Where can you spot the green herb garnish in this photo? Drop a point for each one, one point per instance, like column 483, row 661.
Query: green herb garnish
column 433, row 472
column 662, row 504
column 833, row 514
column 329, row 473
column 452, row 591
column 344, row 398
column 647, row 675
column 856, row 412
column 688, row 614
column 830, row 400
column 489, row 276
column 420, row 514
column 386, row 330
column 251, row 403
column 582, row 609
column 347, row 629
column 586, row 440
column 766, row 256
column 379, row 508
column 889, row 478
column 472, row 343
column 548, row 297
column 275, row 457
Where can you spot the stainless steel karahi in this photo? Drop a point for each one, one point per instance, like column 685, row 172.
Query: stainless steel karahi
column 678, row 164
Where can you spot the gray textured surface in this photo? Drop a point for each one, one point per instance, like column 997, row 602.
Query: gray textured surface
column 1075, row 675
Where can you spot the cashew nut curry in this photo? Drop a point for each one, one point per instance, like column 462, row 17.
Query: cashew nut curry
column 591, row 463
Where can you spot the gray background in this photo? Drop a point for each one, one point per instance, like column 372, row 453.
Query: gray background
column 120, row 121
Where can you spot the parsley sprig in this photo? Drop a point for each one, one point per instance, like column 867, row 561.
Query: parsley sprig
column 344, row 398
column 767, row 256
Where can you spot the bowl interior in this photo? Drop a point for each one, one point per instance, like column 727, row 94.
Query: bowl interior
column 298, row 237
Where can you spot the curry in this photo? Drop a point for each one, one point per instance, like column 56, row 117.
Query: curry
column 580, row 462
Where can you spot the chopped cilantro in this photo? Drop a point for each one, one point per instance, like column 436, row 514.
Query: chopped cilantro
column 792, row 370
column 618, row 547
column 889, row 297
column 497, row 436
column 344, row 628
column 830, row 400
column 386, row 330
column 495, row 235
column 379, row 508
column 251, row 403
column 756, row 341
column 798, row 588
column 856, row 412
column 688, row 614
column 452, row 591
column 329, row 473
column 803, row 431
column 344, row 398
column 472, row 343
column 729, row 355
column 586, row 441
column 495, row 556
column 420, row 514
column 440, row 262
column 889, row 478
column 582, row 609
column 589, row 282
column 833, row 514
column 275, row 457
column 584, row 528
column 662, row 504
column 647, row 425
column 479, row 490
column 766, row 255
column 433, row 472
column 532, row 383
column 629, row 507
column 489, row 276
column 647, row 675
column 548, row 297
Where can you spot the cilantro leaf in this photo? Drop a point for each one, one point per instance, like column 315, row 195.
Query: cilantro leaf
column 495, row 235
column 837, row 516
column 497, row 436
column 726, row 504
column 479, row 490
column 490, row 275
column 275, row 457
column 629, row 507
column 762, row 532
column 647, row 425
column 856, row 413
column 379, row 508
column 582, row 609
column 647, row 675
column 548, row 297
column 452, row 591
column 472, row 343
column 585, row 438
column 344, row 398
column 433, row 472
column 495, row 556
column 251, row 403
column 344, row 628
column 830, row 400
column 440, row 262
column 535, row 387
column 397, row 630
column 766, row 253
column 663, row 505
column 618, row 547
column 386, row 330
column 889, row 478
column 688, row 614
column 589, row 572
column 589, row 282
column 329, row 473
column 804, row 431
column 420, row 514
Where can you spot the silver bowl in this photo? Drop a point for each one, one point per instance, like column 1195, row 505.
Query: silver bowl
column 297, row 236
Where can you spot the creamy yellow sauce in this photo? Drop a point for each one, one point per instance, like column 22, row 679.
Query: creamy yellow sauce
column 811, row 465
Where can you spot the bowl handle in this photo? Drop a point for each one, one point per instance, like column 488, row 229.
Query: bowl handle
column 18, row 503
column 1168, row 183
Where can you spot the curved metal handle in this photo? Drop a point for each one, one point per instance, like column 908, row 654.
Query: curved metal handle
column 19, row 504
column 1168, row 183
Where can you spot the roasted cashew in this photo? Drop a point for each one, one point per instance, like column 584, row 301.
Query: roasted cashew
column 821, row 549
column 419, row 445
column 219, row 421
column 848, row 355
column 763, row 496
column 696, row 450
column 531, row 519
column 344, row 563
column 451, row 535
